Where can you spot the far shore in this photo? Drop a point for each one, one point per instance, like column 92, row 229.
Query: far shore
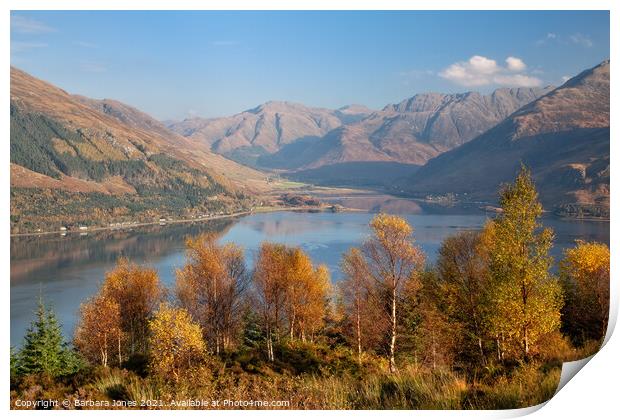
column 326, row 208
column 330, row 192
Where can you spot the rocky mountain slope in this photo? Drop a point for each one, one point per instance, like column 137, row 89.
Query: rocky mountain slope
column 562, row 136
column 264, row 129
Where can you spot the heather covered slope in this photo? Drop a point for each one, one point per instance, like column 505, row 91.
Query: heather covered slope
column 72, row 164
column 563, row 137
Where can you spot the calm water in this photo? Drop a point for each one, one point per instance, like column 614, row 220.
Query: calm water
column 69, row 269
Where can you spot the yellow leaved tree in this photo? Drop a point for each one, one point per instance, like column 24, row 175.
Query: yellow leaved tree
column 584, row 273
column 391, row 261
column 175, row 342
column 524, row 297
column 211, row 286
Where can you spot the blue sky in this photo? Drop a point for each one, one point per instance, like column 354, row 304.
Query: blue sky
column 179, row 64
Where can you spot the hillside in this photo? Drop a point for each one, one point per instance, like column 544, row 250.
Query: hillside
column 241, row 176
column 563, row 137
column 76, row 163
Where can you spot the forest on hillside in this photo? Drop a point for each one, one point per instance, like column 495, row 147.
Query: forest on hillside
column 485, row 327
column 151, row 186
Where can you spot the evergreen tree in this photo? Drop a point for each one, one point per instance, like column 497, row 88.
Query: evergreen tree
column 44, row 349
column 252, row 334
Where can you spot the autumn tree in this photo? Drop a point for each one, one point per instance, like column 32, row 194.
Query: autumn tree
column 392, row 260
column 291, row 292
column 584, row 274
column 99, row 335
column 306, row 293
column 462, row 283
column 525, row 299
column 211, row 286
column 362, row 310
column 436, row 336
column 312, row 303
column 270, row 285
column 175, row 342
column 137, row 292
column 113, row 324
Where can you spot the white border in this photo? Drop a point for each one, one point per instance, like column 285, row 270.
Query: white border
column 592, row 395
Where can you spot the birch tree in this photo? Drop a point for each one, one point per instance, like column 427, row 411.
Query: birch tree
column 525, row 299
column 211, row 286
column 392, row 260
column 463, row 280
column 99, row 335
column 137, row 292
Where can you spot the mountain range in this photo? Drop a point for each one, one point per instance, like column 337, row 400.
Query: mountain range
column 433, row 143
column 283, row 135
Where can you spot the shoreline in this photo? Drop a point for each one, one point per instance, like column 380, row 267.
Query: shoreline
column 326, row 208
column 179, row 221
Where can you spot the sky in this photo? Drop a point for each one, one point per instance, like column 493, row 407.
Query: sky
column 175, row 65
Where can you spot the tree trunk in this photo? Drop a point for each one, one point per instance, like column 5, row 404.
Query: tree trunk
column 269, row 345
column 499, row 348
column 120, row 355
column 393, row 337
column 104, row 352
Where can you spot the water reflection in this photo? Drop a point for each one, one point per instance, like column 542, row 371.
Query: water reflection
column 69, row 269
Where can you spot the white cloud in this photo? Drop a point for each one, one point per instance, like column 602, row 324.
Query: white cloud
column 19, row 46
column 477, row 71
column 515, row 64
column 582, row 40
column 483, row 71
column 547, row 38
column 25, row 25
column 565, row 79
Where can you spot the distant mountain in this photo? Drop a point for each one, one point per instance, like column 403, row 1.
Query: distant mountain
column 75, row 161
column 412, row 131
column 265, row 129
column 563, row 137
